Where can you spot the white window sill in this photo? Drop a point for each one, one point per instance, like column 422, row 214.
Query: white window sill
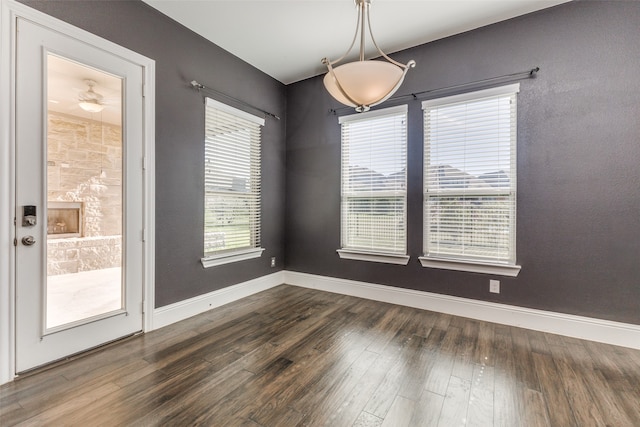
column 373, row 257
column 474, row 267
column 228, row 257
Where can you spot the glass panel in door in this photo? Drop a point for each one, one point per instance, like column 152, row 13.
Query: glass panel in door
column 84, row 278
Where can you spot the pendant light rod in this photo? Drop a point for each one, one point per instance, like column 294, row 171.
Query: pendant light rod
column 411, row 63
column 327, row 62
column 362, row 15
column 364, row 6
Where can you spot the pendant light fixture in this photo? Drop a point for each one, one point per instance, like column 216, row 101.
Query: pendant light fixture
column 363, row 84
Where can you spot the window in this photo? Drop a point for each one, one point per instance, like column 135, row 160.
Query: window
column 470, row 181
column 374, row 182
column 231, row 184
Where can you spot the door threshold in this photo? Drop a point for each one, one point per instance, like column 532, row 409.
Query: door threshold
column 43, row 368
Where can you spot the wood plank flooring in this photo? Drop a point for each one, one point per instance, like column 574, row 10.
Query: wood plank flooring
column 291, row 356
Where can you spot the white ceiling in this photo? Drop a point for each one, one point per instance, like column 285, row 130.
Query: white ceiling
column 287, row 39
column 66, row 80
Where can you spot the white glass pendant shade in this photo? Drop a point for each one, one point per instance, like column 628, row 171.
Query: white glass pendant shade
column 363, row 83
column 92, row 106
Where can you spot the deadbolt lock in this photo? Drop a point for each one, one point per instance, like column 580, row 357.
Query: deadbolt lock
column 29, row 216
column 28, row 240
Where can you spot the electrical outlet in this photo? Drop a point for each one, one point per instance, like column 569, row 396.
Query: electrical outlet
column 273, row 261
column 494, row 286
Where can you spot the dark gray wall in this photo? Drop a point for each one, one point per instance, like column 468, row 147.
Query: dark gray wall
column 182, row 56
column 578, row 232
column 578, row 155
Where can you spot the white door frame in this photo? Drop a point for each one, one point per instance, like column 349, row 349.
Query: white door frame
column 9, row 12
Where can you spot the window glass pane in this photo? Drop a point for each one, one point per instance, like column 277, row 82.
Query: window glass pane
column 375, row 223
column 470, row 181
column 232, row 180
column 466, row 226
column 85, row 153
column 374, row 159
column 470, row 144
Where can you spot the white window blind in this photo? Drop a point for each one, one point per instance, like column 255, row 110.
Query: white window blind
column 374, row 162
column 231, row 179
column 470, row 176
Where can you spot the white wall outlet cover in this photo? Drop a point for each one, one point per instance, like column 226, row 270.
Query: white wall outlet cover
column 494, row 286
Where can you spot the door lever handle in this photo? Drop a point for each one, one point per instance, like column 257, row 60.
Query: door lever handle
column 28, row 240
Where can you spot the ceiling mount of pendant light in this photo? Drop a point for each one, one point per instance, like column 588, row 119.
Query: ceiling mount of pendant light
column 91, row 101
column 364, row 83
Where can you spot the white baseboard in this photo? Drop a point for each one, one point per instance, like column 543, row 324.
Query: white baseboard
column 181, row 310
column 605, row 331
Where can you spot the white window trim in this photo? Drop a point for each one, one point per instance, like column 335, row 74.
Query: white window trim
column 241, row 254
column 375, row 113
column 361, row 255
column 474, row 266
column 229, row 257
column 373, row 257
column 236, row 112
column 464, row 97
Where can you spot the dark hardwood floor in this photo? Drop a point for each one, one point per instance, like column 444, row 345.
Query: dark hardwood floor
column 292, row 356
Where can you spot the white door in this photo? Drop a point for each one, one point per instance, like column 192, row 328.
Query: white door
column 79, row 196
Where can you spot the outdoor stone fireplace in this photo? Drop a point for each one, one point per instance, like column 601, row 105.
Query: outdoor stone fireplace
column 64, row 219
column 84, row 191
